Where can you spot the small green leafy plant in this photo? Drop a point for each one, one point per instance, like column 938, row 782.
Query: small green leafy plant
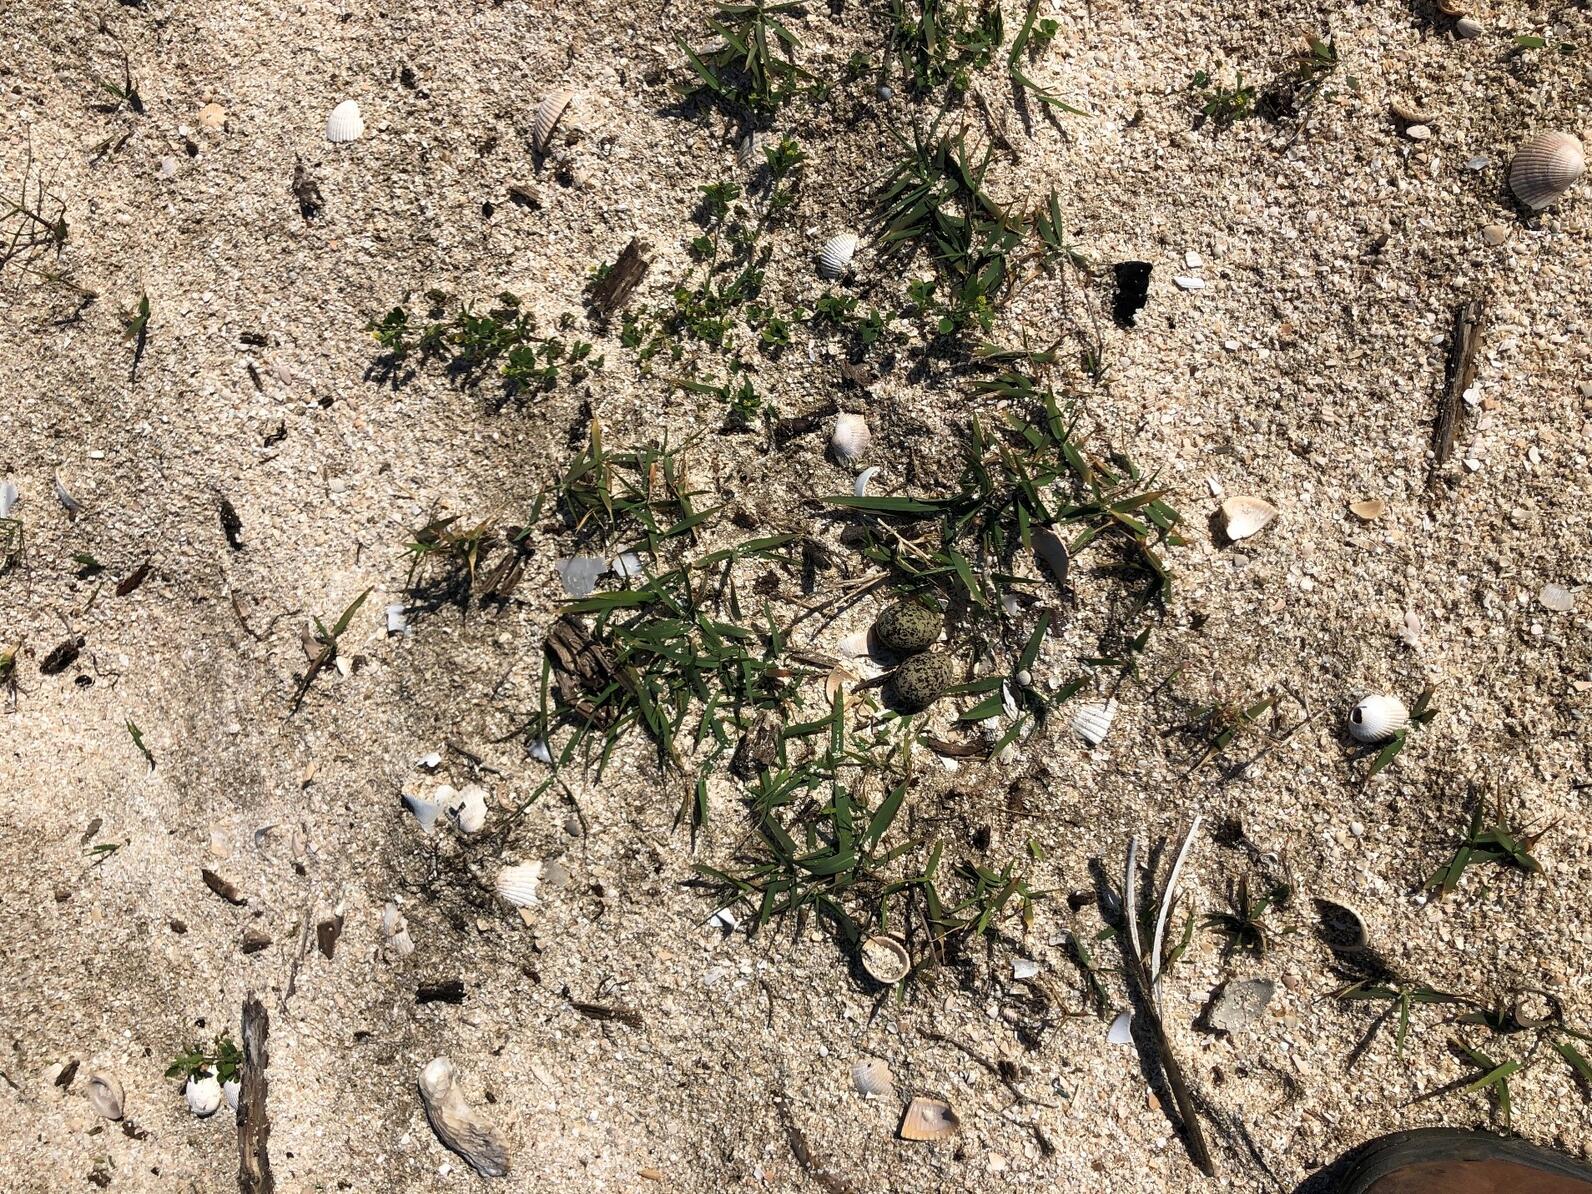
column 1223, row 105
column 222, row 1056
column 1499, row 844
column 1242, row 924
column 324, row 642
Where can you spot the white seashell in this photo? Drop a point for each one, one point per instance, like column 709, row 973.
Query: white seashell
column 860, row 485
column 430, row 762
column 872, row 1078
column 1377, row 718
column 1052, row 552
column 1341, row 926
column 580, row 574
column 1093, row 722
column 397, row 618
column 517, row 884
column 546, row 119
column 467, row 809
column 886, row 959
column 8, row 498
column 396, row 942
column 834, row 259
column 850, row 438
column 1244, row 516
column 1544, row 168
column 345, row 123
column 425, row 811
column 627, row 566
column 856, row 644
column 723, row 919
column 540, row 751
column 104, row 1094
column 203, row 1093
column 1121, row 1029
column 1469, row 27
column 72, row 505
column 456, row 1125
column 230, row 1090
column 1556, row 598
column 928, row 1119
column 1024, row 968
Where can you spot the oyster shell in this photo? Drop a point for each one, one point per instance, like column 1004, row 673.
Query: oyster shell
column 456, row 1125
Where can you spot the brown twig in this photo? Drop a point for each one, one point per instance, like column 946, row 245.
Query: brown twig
column 254, row 1125
column 1468, row 322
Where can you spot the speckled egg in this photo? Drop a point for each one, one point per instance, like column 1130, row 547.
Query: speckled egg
column 921, row 681
column 908, row 627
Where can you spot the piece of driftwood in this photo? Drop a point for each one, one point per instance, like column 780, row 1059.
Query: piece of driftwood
column 1468, row 321
column 254, row 1125
column 614, row 289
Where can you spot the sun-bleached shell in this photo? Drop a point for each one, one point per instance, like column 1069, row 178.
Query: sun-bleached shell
column 345, row 123
column 213, row 117
column 548, row 113
column 8, row 498
column 886, row 959
column 395, row 939
column 1244, row 516
column 425, row 810
column 834, row 258
column 928, row 1119
column 104, row 1094
column 860, row 485
column 1052, row 552
column 230, row 1090
column 1369, row 509
column 1341, row 926
column 1093, row 722
column 871, row 1076
column 850, row 438
column 456, row 1125
column 466, row 808
column 1545, row 167
column 518, row 884
column 203, row 1094
column 1121, row 1032
column 1377, row 718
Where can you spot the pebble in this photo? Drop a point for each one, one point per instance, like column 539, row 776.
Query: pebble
column 1556, row 598
column 1241, row 1003
column 1477, row 163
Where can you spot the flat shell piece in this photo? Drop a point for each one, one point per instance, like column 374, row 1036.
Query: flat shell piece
column 1239, row 1004
column 1093, row 722
column 885, row 958
column 456, row 1125
column 546, row 119
column 1245, row 516
column 1121, row 1029
column 1556, row 598
column 928, row 1119
column 1366, row 511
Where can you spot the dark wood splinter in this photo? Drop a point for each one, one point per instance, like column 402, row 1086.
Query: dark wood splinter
column 1468, row 319
column 613, row 291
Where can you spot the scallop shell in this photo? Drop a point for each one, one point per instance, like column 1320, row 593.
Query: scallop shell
column 517, row 884
column 928, row 1119
column 467, row 809
column 1244, row 516
column 214, row 117
column 850, row 438
column 456, row 1125
column 1093, row 722
column 871, row 1076
column 834, row 259
column 396, row 942
column 1377, row 718
column 104, row 1094
column 886, row 959
column 203, row 1094
column 1544, row 168
column 546, row 119
column 345, row 123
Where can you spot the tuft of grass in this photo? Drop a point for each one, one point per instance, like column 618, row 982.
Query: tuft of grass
column 325, row 642
column 1243, row 924
column 1222, row 723
column 33, row 223
column 135, row 327
column 753, row 68
column 1500, row 844
column 1225, row 106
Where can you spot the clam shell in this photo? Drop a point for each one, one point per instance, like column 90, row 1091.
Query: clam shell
column 1341, row 926
column 871, row 1076
column 886, row 959
column 1469, row 27
column 1244, row 516
column 1093, row 722
column 850, row 438
column 1377, row 718
column 928, row 1119
column 456, row 1125
column 345, row 123
column 546, row 118
column 1544, row 168
column 230, row 1090
column 1053, row 552
column 1369, row 509
column 834, row 259
column 104, row 1094
column 203, row 1094
column 8, row 498
column 467, row 809
column 518, row 884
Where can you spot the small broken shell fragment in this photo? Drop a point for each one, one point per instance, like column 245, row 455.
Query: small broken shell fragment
column 1340, row 926
column 834, row 259
column 1469, row 27
column 1052, row 552
column 885, row 959
column 1093, row 722
column 546, row 119
column 517, row 884
column 860, row 486
column 396, row 942
column 345, row 123
column 203, row 1093
column 928, row 1119
column 872, row 1078
column 1544, row 168
column 230, row 1090
column 467, row 808
column 1556, row 598
column 850, row 438
column 1244, row 516
column 456, row 1125
column 73, row 506
column 425, row 811
column 1377, row 718
column 1121, row 1032
column 1366, row 511
column 104, row 1094
column 213, row 117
